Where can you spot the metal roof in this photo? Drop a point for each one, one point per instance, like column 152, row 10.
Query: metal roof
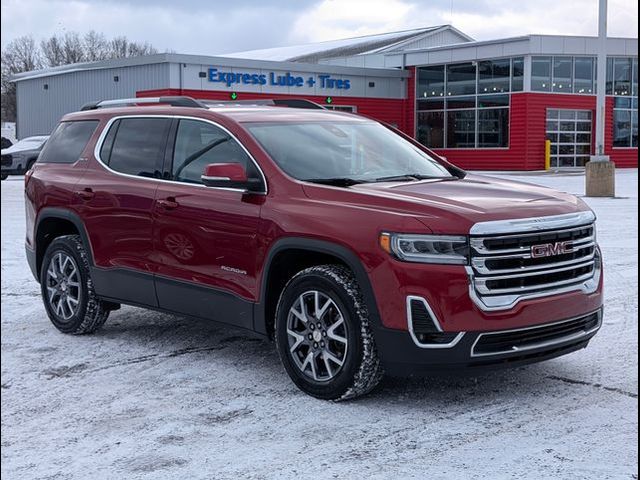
column 204, row 60
column 312, row 52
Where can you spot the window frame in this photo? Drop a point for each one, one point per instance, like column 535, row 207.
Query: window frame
column 168, row 150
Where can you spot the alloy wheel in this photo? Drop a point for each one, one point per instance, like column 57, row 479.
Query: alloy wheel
column 63, row 285
column 317, row 336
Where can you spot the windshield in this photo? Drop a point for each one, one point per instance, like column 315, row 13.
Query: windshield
column 344, row 152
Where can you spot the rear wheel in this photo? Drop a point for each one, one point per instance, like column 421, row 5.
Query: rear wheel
column 67, row 289
column 323, row 334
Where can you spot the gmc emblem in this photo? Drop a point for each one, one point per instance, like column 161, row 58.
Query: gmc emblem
column 550, row 249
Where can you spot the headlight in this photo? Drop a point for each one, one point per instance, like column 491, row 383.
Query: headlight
column 448, row 249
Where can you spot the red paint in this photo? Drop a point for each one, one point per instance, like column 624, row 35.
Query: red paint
column 527, row 124
column 231, row 171
column 221, row 238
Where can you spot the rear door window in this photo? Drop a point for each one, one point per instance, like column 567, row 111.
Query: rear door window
column 138, row 146
column 67, row 142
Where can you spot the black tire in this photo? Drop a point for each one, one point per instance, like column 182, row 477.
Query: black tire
column 89, row 313
column 361, row 369
column 4, row 176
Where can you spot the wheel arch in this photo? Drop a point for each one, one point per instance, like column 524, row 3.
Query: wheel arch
column 315, row 252
column 54, row 222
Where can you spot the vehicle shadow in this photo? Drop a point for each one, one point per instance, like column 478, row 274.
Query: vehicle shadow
column 165, row 336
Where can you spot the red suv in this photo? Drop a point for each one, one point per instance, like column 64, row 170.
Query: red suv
column 353, row 246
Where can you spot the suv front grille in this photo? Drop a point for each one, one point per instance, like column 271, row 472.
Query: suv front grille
column 507, row 267
column 6, row 160
column 512, row 341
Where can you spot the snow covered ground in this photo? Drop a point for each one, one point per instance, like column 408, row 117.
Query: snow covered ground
column 155, row 396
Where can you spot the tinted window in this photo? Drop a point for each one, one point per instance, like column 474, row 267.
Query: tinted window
column 139, row 145
column 199, row 144
column 107, row 144
column 67, row 142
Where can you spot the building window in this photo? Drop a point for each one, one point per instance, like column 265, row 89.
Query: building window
column 474, row 112
column 431, row 81
column 625, row 122
column 342, row 108
column 461, row 79
column 431, row 129
column 493, row 127
column 583, row 75
column 622, row 76
column 563, row 74
column 562, row 68
column 493, row 76
column 461, row 129
column 517, row 74
column 541, row 74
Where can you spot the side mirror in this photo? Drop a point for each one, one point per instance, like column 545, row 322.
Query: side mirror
column 226, row 175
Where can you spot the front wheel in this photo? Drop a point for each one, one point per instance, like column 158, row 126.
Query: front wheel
column 323, row 334
column 67, row 289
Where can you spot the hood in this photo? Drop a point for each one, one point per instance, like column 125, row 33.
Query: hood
column 453, row 206
column 20, row 149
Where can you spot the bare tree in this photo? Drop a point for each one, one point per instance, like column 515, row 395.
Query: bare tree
column 95, row 46
column 52, row 51
column 20, row 55
column 137, row 49
column 121, row 47
column 73, row 48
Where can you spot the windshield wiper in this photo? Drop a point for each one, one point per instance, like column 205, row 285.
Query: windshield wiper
column 336, row 182
column 411, row 177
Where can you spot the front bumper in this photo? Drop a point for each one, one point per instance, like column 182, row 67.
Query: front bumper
column 13, row 166
column 478, row 351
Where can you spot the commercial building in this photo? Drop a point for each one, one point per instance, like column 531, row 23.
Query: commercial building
column 482, row 104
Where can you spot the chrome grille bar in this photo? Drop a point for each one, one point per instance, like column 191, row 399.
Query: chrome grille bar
column 506, row 266
column 479, row 264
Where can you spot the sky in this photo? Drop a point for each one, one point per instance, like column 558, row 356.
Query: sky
column 213, row 27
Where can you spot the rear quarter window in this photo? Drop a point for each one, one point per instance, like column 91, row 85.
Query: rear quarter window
column 67, row 142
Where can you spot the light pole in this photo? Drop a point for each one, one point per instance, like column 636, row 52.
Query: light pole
column 600, row 172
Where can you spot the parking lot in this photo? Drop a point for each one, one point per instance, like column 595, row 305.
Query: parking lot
column 157, row 396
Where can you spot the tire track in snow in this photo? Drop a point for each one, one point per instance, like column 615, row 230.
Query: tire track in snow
column 596, row 385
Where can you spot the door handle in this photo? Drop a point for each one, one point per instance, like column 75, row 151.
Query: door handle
column 168, row 203
column 85, row 194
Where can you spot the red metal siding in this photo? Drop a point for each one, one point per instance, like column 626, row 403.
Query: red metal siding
column 527, row 125
column 383, row 109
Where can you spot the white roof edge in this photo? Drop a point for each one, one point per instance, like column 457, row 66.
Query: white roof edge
column 520, row 38
column 206, row 60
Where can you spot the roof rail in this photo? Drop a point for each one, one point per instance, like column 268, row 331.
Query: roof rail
column 121, row 102
column 279, row 102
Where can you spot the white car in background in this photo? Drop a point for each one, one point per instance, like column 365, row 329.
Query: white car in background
column 21, row 156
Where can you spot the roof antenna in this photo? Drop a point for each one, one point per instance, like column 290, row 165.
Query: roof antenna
column 451, row 12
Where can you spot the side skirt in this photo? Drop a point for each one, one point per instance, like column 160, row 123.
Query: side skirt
column 172, row 296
